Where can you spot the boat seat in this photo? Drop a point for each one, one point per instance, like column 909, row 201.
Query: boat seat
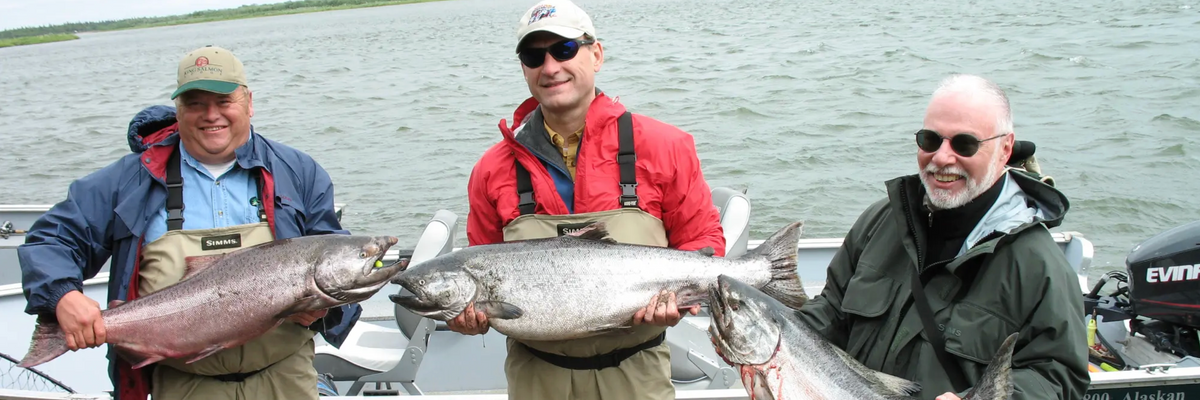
column 734, row 208
column 371, row 352
column 694, row 363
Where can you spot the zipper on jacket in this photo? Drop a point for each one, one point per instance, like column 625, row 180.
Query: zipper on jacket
column 908, row 216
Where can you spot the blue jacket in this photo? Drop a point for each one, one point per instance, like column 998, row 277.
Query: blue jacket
column 106, row 214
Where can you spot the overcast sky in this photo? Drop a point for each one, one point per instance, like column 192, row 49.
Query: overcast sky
column 22, row 13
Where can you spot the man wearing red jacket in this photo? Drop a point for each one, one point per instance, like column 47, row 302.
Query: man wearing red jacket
column 574, row 156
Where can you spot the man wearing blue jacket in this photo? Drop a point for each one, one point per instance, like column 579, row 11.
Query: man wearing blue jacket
column 198, row 171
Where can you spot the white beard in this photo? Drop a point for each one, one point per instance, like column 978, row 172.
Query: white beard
column 943, row 199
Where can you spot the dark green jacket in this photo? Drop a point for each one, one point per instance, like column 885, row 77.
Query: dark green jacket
column 1014, row 280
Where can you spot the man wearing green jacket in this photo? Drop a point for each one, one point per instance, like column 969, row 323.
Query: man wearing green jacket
column 974, row 236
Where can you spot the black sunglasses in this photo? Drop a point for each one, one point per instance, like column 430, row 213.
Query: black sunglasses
column 534, row 57
column 964, row 144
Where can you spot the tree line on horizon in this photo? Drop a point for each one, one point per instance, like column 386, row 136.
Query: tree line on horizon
column 198, row 16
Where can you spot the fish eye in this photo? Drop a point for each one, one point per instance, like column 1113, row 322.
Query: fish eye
column 421, row 282
column 362, row 254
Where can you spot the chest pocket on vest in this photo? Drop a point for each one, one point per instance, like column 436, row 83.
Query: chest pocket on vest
column 868, row 295
column 974, row 333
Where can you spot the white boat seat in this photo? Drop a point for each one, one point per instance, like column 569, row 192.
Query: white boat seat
column 368, row 349
column 734, row 208
column 371, row 352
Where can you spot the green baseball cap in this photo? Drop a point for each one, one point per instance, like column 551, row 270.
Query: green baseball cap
column 211, row 69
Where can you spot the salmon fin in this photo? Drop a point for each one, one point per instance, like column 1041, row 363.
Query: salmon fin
column 195, row 264
column 595, row 231
column 305, row 304
column 499, row 309
column 47, row 344
column 138, row 359
column 996, row 381
column 115, row 303
column 707, row 251
column 780, row 251
column 613, row 330
column 891, row 385
column 207, row 352
column 887, row 385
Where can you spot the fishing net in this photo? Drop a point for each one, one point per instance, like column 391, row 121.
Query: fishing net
column 15, row 377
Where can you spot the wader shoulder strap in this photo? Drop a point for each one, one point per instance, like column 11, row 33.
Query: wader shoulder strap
column 627, row 159
column 262, row 211
column 524, row 190
column 935, row 335
column 174, row 193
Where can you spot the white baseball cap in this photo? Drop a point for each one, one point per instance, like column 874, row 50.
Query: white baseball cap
column 560, row 17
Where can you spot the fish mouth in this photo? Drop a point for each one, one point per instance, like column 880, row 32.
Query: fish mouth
column 359, row 294
column 417, row 305
column 373, row 286
column 375, row 263
column 717, row 307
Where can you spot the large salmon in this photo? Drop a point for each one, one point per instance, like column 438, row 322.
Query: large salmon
column 226, row 300
column 585, row 284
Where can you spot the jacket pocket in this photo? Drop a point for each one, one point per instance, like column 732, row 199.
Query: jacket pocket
column 974, row 333
column 288, row 209
column 869, row 292
column 868, row 296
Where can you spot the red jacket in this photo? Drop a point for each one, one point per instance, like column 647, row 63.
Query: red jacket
column 670, row 187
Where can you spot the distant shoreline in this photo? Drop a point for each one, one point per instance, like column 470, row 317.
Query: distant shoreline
column 28, row 40
column 68, row 31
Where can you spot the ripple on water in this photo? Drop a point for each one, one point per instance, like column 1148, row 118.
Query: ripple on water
column 808, row 106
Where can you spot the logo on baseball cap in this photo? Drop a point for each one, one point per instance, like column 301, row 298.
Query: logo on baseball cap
column 211, row 69
column 560, row 17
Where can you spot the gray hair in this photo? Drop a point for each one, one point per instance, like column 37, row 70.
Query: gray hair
column 964, row 83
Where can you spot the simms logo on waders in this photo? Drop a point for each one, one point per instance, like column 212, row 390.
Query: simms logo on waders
column 567, row 229
column 221, row 242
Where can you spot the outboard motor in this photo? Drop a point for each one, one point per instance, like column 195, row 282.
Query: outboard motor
column 1164, row 285
column 1159, row 295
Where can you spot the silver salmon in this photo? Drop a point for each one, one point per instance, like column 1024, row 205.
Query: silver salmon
column 226, row 300
column 781, row 357
column 584, row 284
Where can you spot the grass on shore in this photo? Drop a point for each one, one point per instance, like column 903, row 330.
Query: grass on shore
column 232, row 14
column 54, row 33
column 21, row 41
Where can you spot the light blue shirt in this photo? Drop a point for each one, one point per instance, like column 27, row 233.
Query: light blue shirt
column 208, row 201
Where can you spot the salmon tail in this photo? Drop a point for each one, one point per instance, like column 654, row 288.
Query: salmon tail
column 780, row 250
column 48, row 343
column 996, row 381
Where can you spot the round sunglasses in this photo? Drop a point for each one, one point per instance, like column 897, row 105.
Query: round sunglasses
column 534, row 57
column 964, row 144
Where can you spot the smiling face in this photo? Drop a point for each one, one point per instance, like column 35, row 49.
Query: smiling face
column 563, row 86
column 952, row 180
column 212, row 125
